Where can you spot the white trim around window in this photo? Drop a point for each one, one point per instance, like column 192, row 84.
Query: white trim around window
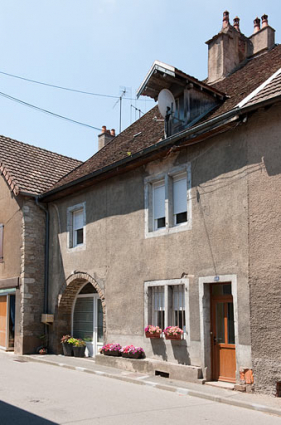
column 76, row 221
column 167, row 198
column 166, row 305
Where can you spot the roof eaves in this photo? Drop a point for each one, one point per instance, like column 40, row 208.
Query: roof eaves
column 157, row 66
column 201, row 127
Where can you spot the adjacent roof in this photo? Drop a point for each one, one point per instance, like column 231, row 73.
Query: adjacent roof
column 31, row 170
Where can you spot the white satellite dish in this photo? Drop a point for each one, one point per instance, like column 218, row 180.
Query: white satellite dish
column 166, row 100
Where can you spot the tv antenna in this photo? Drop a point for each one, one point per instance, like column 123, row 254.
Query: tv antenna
column 123, row 91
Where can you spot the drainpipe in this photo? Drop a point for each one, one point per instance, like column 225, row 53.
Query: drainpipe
column 46, row 264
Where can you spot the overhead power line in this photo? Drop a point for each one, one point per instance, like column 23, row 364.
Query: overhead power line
column 37, row 108
column 68, row 88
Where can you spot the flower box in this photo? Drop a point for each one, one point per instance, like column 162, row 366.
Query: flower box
column 112, row 353
column 173, row 332
column 150, row 335
column 177, row 336
column 132, row 355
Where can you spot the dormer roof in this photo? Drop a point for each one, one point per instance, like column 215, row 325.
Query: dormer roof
column 163, row 76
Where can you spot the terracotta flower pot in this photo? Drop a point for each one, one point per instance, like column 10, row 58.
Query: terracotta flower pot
column 149, row 335
column 177, row 336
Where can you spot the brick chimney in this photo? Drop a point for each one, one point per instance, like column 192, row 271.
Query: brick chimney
column 226, row 50
column 105, row 137
column 263, row 37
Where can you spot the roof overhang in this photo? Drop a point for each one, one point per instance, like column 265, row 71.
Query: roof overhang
column 163, row 76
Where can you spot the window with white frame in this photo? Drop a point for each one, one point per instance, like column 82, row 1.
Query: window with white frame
column 76, row 221
column 165, row 303
column 159, row 205
column 78, row 225
column 168, row 202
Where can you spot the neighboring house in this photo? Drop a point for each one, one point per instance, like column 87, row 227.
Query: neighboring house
column 182, row 228
column 26, row 171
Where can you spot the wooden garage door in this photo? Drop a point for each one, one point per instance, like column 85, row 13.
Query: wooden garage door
column 3, row 320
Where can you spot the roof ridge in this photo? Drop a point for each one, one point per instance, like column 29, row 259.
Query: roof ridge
column 39, row 148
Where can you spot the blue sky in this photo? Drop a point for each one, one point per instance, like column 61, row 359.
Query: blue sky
column 101, row 46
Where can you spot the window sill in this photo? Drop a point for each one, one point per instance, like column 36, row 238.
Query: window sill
column 168, row 230
column 77, row 248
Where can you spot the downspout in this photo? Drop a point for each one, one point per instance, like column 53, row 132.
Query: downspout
column 46, row 265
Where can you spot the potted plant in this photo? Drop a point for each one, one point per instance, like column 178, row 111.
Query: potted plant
column 67, row 344
column 132, row 352
column 152, row 331
column 43, row 350
column 173, row 332
column 79, row 347
column 112, row 350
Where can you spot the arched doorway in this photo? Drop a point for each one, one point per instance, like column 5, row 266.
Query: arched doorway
column 69, row 293
column 87, row 319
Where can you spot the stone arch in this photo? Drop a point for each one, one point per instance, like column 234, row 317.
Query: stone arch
column 67, row 294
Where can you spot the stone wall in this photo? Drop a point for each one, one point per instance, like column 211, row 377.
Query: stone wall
column 30, row 327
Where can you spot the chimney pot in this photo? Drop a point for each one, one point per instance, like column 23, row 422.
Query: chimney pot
column 112, row 132
column 105, row 137
column 236, row 23
column 257, row 25
column 225, row 21
column 264, row 19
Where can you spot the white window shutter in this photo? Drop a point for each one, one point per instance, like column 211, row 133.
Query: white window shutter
column 159, row 201
column 78, row 221
column 180, row 195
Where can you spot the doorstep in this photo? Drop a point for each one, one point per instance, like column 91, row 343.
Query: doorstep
column 153, row 367
column 221, row 384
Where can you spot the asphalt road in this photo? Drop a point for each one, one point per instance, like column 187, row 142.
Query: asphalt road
column 33, row 393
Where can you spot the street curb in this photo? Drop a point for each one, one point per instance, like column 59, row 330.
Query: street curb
column 182, row 391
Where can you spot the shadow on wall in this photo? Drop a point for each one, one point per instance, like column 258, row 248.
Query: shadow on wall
column 179, row 348
column 180, row 352
column 13, row 415
column 159, row 348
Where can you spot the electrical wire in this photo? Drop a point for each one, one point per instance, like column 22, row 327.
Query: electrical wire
column 68, row 88
column 37, row 108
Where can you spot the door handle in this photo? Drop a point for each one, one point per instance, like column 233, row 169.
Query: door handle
column 215, row 340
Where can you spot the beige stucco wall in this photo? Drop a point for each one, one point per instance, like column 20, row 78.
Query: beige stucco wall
column 119, row 257
column 11, row 217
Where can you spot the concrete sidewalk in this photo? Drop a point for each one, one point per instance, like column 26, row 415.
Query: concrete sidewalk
column 262, row 403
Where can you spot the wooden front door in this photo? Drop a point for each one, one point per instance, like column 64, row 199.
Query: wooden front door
column 3, row 321
column 222, row 333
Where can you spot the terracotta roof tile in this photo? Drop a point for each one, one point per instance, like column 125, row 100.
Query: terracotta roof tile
column 30, row 169
column 272, row 89
column 236, row 86
column 141, row 134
